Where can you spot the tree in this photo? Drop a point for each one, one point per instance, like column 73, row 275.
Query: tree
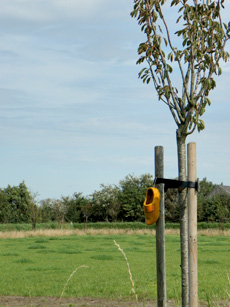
column 205, row 188
column 172, row 213
column 196, row 49
column 105, row 203
column 46, row 210
column 52, row 210
column 223, row 204
column 216, row 209
column 74, row 207
column 87, row 210
column 20, row 203
column 132, row 195
column 5, row 210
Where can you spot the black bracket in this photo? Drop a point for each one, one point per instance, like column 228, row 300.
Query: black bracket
column 177, row 184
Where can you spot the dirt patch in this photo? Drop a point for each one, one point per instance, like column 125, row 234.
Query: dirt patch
column 16, row 301
column 19, row 301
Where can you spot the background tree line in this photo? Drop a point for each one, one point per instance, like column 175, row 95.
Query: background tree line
column 111, row 203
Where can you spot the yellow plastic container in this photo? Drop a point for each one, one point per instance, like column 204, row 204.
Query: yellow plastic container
column 152, row 206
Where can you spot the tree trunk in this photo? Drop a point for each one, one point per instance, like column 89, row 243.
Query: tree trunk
column 181, row 148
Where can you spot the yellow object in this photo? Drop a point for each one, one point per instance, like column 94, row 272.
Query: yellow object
column 152, row 206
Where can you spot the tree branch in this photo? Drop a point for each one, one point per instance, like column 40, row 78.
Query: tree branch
column 163, row 61
column 185, row 87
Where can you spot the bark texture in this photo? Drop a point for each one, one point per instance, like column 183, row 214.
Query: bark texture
column 181, row 147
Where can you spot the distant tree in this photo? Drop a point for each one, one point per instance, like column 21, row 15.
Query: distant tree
column 46, row 210
column 20, row 203
column 59, row 210
column 87, row 211
column 172, row 212
column 52, row 210
column 5, row 209
column 205, row 188
column 223, row 206
column 34, row 210
column 105, row 203
column 74, row 207
column 192, row 54
column 216, row 209
column 132, row 196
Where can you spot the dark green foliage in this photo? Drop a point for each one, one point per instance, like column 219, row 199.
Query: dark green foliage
column 17, row 205
column 205, row 188
column 77, row 208
column 5, row 210
column 216, row 209
column 172, row 212
column 212, row 209
column 122, row 203
column 132, row 195
column 67, row 209
column 46, row 210
column 106, row 203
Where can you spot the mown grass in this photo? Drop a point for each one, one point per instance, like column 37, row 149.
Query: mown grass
column 40, row 266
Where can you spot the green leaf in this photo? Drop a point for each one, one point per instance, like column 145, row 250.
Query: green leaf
column 178, row 19
column 200, row 125
column 142, row 48
column 185, row 41
column 170, row 56
column 160, row 28
column 202, row 110
column 140, row 60
column 169, row 68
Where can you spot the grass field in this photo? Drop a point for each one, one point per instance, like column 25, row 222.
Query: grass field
column 41, row 266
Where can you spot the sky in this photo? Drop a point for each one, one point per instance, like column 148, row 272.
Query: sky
column 73, row 113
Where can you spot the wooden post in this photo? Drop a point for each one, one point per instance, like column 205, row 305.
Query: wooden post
column 160, row 232
column 192, row 227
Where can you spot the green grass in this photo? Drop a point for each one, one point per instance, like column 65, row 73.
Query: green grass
column 41, row 266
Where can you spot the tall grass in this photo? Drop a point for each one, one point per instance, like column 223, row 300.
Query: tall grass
column 228, row 292
column 68, row 280
column 129, row 271
column 79, row 232
column 101, row 225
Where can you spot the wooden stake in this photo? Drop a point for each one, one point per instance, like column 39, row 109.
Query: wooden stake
column 160, row 232
column 192, row 228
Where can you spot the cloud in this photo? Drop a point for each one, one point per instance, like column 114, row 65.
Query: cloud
column 52, row 10
column 73, row 111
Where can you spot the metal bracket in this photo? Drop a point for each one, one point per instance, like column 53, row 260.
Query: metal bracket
column 177, row 184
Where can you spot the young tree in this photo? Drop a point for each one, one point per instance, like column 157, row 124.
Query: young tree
column 195, row 51
column 87, row 210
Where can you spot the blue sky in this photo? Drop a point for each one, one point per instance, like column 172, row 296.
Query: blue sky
column 73, row 113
